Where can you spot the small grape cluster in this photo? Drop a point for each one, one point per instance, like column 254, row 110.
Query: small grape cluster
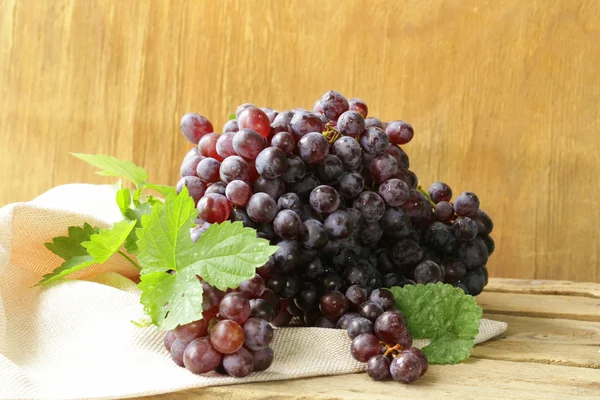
column 381, row 339
column 233, row 337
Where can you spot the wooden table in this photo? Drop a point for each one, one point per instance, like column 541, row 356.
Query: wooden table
column 550, row 351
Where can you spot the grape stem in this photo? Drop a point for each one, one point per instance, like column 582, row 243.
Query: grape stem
column 136, row 265
column 427, row 196
column 392, row 349
column 331, row 134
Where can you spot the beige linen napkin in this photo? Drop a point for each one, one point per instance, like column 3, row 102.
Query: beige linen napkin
column 75, row 340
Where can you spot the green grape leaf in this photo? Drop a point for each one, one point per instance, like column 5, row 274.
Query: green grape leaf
column 124, row 200
column 135, row 214
column 67, row 247
column 231, row 116
column 162, row 189
column 107, row 242
column 111, row 166
column 443, row 314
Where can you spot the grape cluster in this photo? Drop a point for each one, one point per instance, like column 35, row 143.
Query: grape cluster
column 332, row 188
column 234, row 335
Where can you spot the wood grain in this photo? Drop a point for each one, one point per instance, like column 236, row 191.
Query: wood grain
column 504, row 96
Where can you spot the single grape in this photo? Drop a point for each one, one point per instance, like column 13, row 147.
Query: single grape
column 169, row 339
column 370, row 205
column 383, row 297
column 282, row 319
column 324, row 322
column 314, row 268
column 270, row 113
column 467, row 205
column 296, row 170
column 383, row 167
column 271, row 163
column 261, row 208
column 371, row 233
column 428, row 272
column 177, row 350
column 231, row 126
column 406, row 252
column 240, row 214
column 356, row 295
column 238, row 192
column 364, row 346
column 285, row 141
column 273, row 187
column 465, row 229
column 235, row 306
column 224, row 145
column 358, row 105
column 262, row 359
column 330, row 169
column 240, row 363
column 208, row 170
column 359, row 325
column 354, row 274
column 313, row 148
column 200, row 356
column 485, row 226
column 338, row 224
column 333, row 304
column 408, row 177
column 287, row 225
column 190, row 164
column 234, row 168
column 207, row 146
column 271, row 297
column 400, row 156
column 331, row 281
column 395, row 224
column 454, row 270
column 307, row 298
column 284, row 116
column 194, row 127
column 438, row 235
column 191, row 331
column 394, row 192
column 345, row 319
column 227, row 336
column 374, row 141
column 287, row 257
column 444, row 211
column 195, row 186
column 351, row 184
column 374, row 122
column 473, row 254
column 253, row 287
column 439, row 191
column 348, row 150
column 406, row 368
column 421, row 356
column 474, row 281
column 324, row 199
column 378, row 367
column 276, row 283
column 214, row 208
column 242, row 107
column 370, row 310
column 258, row 334
column 314, row 235
column 260, row 308
column 248, row 143
column 390, row 326
column 351, row 123
column 333, row 104
column 399, row 132
column 216, row 188
column 289, row 201
column 293, row 284
column 304, row 122
column 490, row 245
column 255, row 119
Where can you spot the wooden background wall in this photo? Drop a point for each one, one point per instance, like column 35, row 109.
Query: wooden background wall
column 504, row 96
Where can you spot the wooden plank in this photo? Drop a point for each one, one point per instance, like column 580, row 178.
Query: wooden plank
column 544, row 340
column 565, row 288
column 503, row 96
column 532, row 305
column 475, row 379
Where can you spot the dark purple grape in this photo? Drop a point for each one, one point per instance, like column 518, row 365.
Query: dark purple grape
column 374, row 122
column 444, row 211
column 282, row 319
column 345, row 319
column 394, row 192
column 169, row 339
column 474, row 281
column 421, row 356
column 473, row 254
column 399, row 132
column 296, row 170
column 399, row 155
column 348, row 150
column 359, row 325
column 287, row 225
column 313, row 148
column 262, row 359
column 370, row 310
column 485, row 226
column 439, row 191
column 272, row 187
column 395, row 223
column 314, row 268
column 338, row 224
column 384, row 298
column 257, row 333
column 284, row 117
column 330, row 169
column 428, row 272
column 253, row 287
column 234, row 168
column 261, row 208
column 307, row 299
column 314, row 235
column 371, row 233
column 216, row 188
column 287, row 257
column 239, row 364
column 324, row 199
column 383, row 167
column 331, row 281
column 260, row 308
column 285, row 141
column 356, row 295
column 305, row 186
column 364, row 346
column 467, row 205
column 358, row 105
column 465, row 229
column 231, row 126
column 289, row 201
column 351, row 184
column 378, row 368
column 333, row 105
column 304, row 122
column 374, row 141
column 408, row 177
column 390, row 327
column 454, row 270
column 324, row 322
column 438, row 235
column 196, row 187
column 351, row 123
column 271, row 163
column 489, row 244
column 356, row 275
column 406, row 253
column 406, row 368
column 177, row 350
column 333, row 304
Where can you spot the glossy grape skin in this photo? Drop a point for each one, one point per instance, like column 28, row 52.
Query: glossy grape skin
column 235, row 306
column 248, row 143
column 231, row 126
column 238, row 192
column 177, row 350
column 190, row 164
column 253, row 287
column 234, row 168
column 351, row 123
column 216, row 188
column 313, row 148
column 383, row 167
column 193, row 330
column 333, row 104
column 273, row 187
column 444, row 211
column 287, row 225
column 345, row 319
column 408, row 177
column 274, row 300
column 262, row 359
column 370, row 205
column 196, row 187
column 304, row 187
column 383, row 297
column 333, row 304
column 287, row 256
column 358, row 105
column 473, row 254
column 330, row 169
column 358, row 326
column 261, row 208
column 194, row 126
column 370, row 310
column 399, row 132
column 289, row 201
column 465, row 229
column 467, row 205
column 271, row 163
column 438, row 235
column 406, row 368
column 364, row 346
column 211, row 298
column 390, row 326
column 395, row 224
column 200, row 356
column 374, row 141
column 399, row 155
column 240, row 363
column 168, row 340
column 378, row 367
column 338, row 224
column 454, row 270
column 485, row 226
column 207, row 146
column 304, row 122
column 284, row 117
column 474, row 281
column 258, row 334
column 356, row 295
column 224, row 146
column 314, row 235
column 208, row 170
column 428, row 272
column 255, row 119
column 270, row 113
column 227, row 336
column 242, row 107
column 296, row 170
column 351, row 184
column 285, row 141
column 421, row 356
column 439, row 191
column 214, row 208
column 394, row 192
column 260, row 308
column 348, row 150
column 324, row 199
column 306, row 299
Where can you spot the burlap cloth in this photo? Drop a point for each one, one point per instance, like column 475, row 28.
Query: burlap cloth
column 75, row 339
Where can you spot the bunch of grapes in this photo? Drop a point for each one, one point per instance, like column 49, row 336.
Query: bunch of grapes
column 234, row 335
column 333, row 190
